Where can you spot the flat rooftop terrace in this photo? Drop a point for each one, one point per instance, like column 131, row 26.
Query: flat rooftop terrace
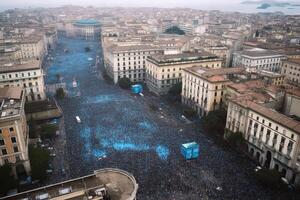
column 181, row 58
column 118, row 184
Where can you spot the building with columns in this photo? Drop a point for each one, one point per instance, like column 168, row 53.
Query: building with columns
column 273, row 139
column 164, row 71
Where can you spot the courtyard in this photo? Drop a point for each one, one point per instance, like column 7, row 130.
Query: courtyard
column 119, row 129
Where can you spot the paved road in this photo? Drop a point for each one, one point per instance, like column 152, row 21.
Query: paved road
column 119, row 129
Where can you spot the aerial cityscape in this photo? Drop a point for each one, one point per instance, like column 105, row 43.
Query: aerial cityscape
column 150, row 100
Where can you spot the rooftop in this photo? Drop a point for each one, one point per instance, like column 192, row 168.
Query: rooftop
column 183, row 57
column 271, row 114
column 257, row 52
column 294, row 60
column 214, row 75
column 118, row 184
column 14, row 67
column 10, row 101
column 121, row 49
column 87, row 22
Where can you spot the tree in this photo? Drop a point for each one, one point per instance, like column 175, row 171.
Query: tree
column 189, row 112
column 58, row 77
column 32, row 129
column 39, row 160
column 87, row 49
column 236, row 140
column 175, row 92
column 7, row 180
column 125, row 83
column 269, row 178
column 175, row 30
column 215, row 122
column 48, row 131
column 60, row 93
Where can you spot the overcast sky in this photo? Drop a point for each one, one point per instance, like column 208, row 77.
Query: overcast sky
column 136, row 3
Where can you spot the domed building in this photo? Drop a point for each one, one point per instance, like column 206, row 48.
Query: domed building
column 87, row 28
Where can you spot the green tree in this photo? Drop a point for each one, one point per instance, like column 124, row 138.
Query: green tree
column 174, row 92
column 39, row 160
column 87, row 49
column 7, row 180
column 269, row 178
column 215, row 122
column 32, row 129
column 60, row 93
column 58, row 77
column 48, row 131
column 125, row 83
column 175, row 30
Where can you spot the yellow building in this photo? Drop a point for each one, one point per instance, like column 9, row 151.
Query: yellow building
column 14, row 130
column 291, row 69
column 203, row 88
column 164, row 71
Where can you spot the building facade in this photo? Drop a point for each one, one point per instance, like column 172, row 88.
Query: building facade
column 259, row 59
column 291, row 70
column 164, row 71
column 33, row 48
column 14, row 131
column 128, row 61
column 203, row 89
column 87, row 29
column 273, row 139
column 28, row 75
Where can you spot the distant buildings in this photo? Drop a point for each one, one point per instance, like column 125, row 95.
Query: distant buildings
column 291, row 70
column 164, row 71
column 13, row 130
column 260, row 59
column 28, row 75
column 87, row 28
column 203, row 89
column 128, row 61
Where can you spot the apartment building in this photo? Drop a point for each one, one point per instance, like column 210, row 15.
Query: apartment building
column 28, row 75
column 203, row 89
column 291, row 70
column 260, row 59
column 220, row 51
column 32, row 47
column 273, row 139
column 14, row 130
column 128, row 61
column 164, row 71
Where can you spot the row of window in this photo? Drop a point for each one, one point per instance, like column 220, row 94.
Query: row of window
column 11, row 129
column 16, row 75
column 13, row 140
column 4, row 151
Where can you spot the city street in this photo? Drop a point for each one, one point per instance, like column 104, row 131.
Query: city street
column 119, row 129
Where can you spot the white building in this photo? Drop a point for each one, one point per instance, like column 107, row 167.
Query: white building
column 33, row 47
column 258, row 59
column 28, row 75
column 291, row 69
column 128, row 61
column 273, row 139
